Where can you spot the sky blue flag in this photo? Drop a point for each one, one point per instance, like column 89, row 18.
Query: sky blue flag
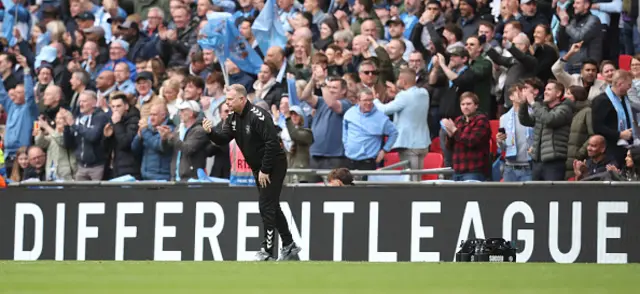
column 9, row 20
column 223, row 37
column 268, row 29
column 293, row 93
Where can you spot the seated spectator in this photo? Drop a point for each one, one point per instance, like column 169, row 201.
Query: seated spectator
column 156, row 160
column 22, row 111
column 363, row 130
column 119, row 134
column 631, row 169
column 61, row 164
column 551, row 121
column 613, row 116
column 19, row 165
column 190, row 143
column 36, row 168
column 84, row 134
column 340, row 177
column 468, row 137
column 581, row 127
column 598, row 161
column 587, row 77
column 515, row 141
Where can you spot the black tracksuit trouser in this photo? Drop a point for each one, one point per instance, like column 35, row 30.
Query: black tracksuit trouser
column 270, row 211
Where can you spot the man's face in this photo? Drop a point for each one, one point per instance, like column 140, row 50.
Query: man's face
column 336, row 90
column 191, row 92
column 595, row 147
column 485, row 31
column 368, row 28
column 51, row 96
column 37, row 158
column 90, row 49
column 87, row 104
column 141, row 66
column 75, row 82
column 45, row 76
column 360, row 45
column 103, row 81
column 115, row 28
column 580, row 6
column 116, row 51
column 396, row 30
column 550, row 93
column 202, row 7
column 154, row 19
column 157, row 115
column 529, row 9
column 416, row 62
column 465, row 9
column 395, row 50
column 468, row 107
column 310, row 5
column 589, row 72
column 234, row 101
column 5, row 66
column 119, row 106
column 368, row 74
column 18, row 95
column 435, row 9
column 357, row 8
column 473, row 46
column 623, row 86
column 224, row 111
column 365, row 103
column 180, row 18
column 510, row 32
column 121, row 72
column 245, row 29
column 208, row 56
column 75, row 8
column 186, row 115
column 143, row 87
column 274, row 55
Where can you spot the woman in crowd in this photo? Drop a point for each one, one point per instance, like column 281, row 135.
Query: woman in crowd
column 581, row 127
column 328, row 26
column 266, row 88
column 171, row 93
column 61, row 163
column 301, row 140
column 631, row 170
column 634, row 91
column 468, row 138
column 545, row 51
column 19, row 165
column 607, row 68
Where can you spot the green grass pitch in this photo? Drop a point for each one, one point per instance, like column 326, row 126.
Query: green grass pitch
column 314, row 277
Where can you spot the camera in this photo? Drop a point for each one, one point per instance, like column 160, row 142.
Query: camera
column 486, row 250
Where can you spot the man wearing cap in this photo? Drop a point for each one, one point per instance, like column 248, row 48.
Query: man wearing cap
column 531, row 17
column 140, row 45
column 257, row 138
column 85, row 20
column 469, row 20
column 146, row 98
column 397, row 32
column 190, row 143
column 118, row 54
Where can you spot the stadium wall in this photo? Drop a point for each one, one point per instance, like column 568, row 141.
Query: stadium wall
column 559, row 223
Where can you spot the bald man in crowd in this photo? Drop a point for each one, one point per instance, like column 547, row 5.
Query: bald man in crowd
column 598, row 161
column 51, row 102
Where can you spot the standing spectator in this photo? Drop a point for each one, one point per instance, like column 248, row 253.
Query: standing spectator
column 7, row 63
column 266, row 87
column 584, row 27
column 551, row 120
column 18, row 165
column 397, row 32
column 119, row 134
column 301, row 138
column 515, row 141
column 36, row 168
column 190, row 143
column 545, row 51
column 469, row 21
column 468, row 137
column 613, row 116
column 530, row 17
column 581, row 127
column 363, row 130
column 410, row 110
column 146, row 97
column 327, row 152
column 156, row 161
column 84, row 134
column 105, row 84
column 176, row 44
column 222, row 163
column 123, row 79
column 61, row 164
column 396, row 49
column 45, row 78
column 236, row 76
column 51, row 103
column 588, row 77
column 22, row 111
column 141, row 46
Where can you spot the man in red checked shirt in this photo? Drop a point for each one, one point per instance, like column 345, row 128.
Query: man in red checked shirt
column 468, row 137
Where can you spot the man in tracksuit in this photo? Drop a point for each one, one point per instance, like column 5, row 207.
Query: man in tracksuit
column 256, row 135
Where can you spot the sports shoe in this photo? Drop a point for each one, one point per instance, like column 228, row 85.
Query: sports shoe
column 289, row 252
column 263, row 255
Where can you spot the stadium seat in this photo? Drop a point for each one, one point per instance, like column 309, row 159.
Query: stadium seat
column 432, row 160
column 495, row 125
column 435, row 146
column 624, row 62
column 391, row 158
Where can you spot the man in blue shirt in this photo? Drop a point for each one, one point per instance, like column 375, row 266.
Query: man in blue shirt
column 363, row 131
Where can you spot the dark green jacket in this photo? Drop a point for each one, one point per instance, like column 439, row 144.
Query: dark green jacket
column 581, row 130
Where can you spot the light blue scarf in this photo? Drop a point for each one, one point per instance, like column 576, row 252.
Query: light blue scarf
column 511, row 148
column 617, row 104
column 459, row 72
column 182, row 132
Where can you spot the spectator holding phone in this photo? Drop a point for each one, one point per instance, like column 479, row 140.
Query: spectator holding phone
column 515, row 140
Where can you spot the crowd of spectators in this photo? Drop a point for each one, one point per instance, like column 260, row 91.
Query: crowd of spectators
column 503, row 90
